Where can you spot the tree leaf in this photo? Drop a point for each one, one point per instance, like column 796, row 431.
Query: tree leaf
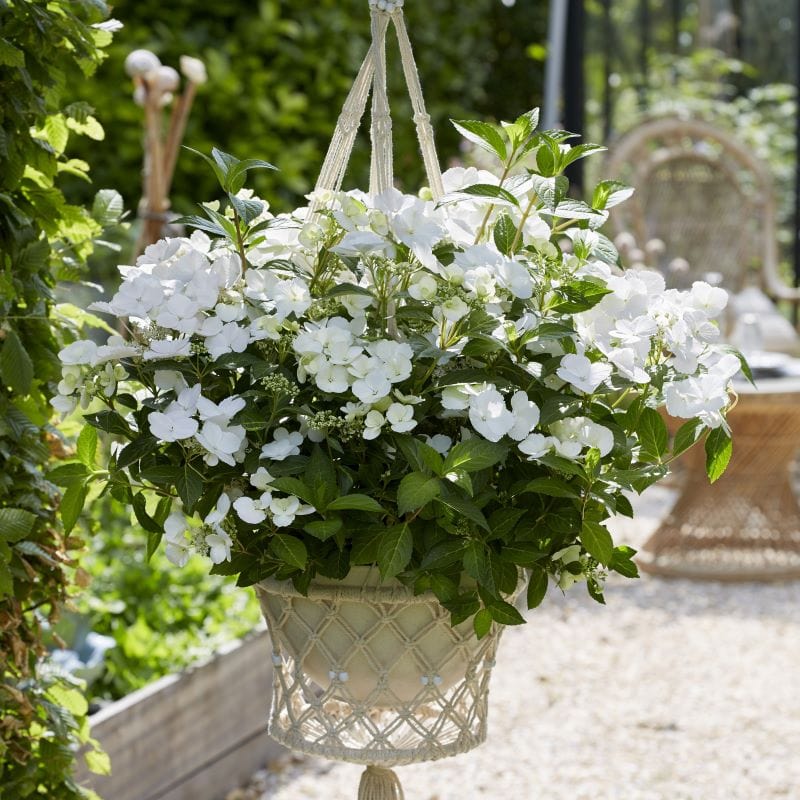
column 719, row 449
column 323, row 529
column 296, row 487
column 110, row 422
column 552, row 487
column 15, row 524
column 505, row 613
column 289, row 549
column 415, row 491
column 140, row 447
column 686, row 436
column 394, row 550
column 68, row 474
column 597, row 541
column 107, row 207
column 139, row 503
column 189, row 485
column 16, row 367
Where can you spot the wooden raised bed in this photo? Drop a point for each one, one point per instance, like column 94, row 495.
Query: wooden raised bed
column 190, row 736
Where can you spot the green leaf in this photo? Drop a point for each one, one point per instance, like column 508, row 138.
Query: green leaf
column 653, row 434
column 320, row 477
column 472, row 455
column 365, row 545
column 10, row 55
column 550, row 191
column 189, row 485
column 72, row 504
column 140, row 447
column 457, row 501
column 348, row 289
column 486, row 190
column 622, row 562
column 16, row 367
column 6, row 580
column 505, row 232
column 68, row 474
column 482, row 622
column 483, row 134
column 107, row 207
column 394, row 550
column 597, row 541
column 97, row 761
column 247, row 210
column 109, row 422
column 478, row 565
column 537, row 586
column 356, row 502
column 505, row 613
column 503, row 521
column 139, row 504
column 421, row 456
column 161, row 474
column 289, row 549
column 86, row 446
column 415, row 491
column 608, row 194
column 719, row 449
column 552, row 487
column 296, row 487
column 323, row 529
column 523, row 554
column 686, row 436
column 444, row 554
column 15, row 524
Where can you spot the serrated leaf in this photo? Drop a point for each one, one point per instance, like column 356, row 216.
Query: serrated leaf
column 139, row 504
column 15, row 524
column 394, row 550
column 653, row 434
column 537, row 586
column 16, row 367
column 415, row 491
column 486, row 190
column 523, row 554
column 597, row 541
column 324, row 529
column 608, row 194
column 161, row 474
column 356, row 502
column 107, row 207
column 296, row 487
column 109, row 422
column 248, row 210
column 550, row 191
column 86, row 446
column 686, row 436
column 189, row 485
column 473, row 455
column 504, row 234
column 140, row 447
column 483, row 134
column 444, row 554
column 719, row 449
column 456, row 500
column 289, row 549
column 320, row 477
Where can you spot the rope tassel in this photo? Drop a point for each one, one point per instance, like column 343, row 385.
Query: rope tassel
column 378, row 783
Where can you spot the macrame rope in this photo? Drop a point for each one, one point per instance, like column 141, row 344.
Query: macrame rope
column 372, row 74
column 378, row 783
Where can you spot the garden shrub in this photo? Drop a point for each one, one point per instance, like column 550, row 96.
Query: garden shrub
column 44, row 46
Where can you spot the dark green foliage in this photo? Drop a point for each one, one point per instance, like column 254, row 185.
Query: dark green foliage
column 45, row 47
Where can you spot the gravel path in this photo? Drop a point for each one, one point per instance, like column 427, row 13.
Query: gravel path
column 678, row 690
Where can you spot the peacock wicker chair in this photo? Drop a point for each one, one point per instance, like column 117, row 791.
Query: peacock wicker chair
column 706, row 198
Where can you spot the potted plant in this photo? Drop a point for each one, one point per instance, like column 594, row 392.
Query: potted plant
column 413, row 405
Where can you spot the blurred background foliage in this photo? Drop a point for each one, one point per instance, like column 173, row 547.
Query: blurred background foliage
column 279, row 71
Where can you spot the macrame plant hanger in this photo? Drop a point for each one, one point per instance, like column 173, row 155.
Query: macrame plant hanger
column 364, row 671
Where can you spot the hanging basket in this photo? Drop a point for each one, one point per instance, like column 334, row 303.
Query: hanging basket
column 370, row 673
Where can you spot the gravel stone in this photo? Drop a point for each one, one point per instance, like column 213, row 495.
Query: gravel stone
column 677, row 690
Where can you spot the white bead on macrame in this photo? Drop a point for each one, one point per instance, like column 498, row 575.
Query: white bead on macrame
column 277, row 660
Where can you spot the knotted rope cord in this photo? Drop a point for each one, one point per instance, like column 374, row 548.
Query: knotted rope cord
column 372, row 73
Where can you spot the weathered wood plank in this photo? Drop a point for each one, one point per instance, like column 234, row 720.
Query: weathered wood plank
column 190, row 736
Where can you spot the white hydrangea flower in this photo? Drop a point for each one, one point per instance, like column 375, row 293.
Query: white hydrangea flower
column 231, row 339
column 168, row 348
column 221, row 442
column 283, row 445
column 82, row 352
column 285, row 509
column 373, row 387
column 261, row 479
column 489, row 415
column 401, row 417
column 526, row 416
column 440, row 443
column 253, row 511
column 177, row 547
column 423, row 286
column 373, row 422
column 173, row 425
column 582, row 373
column 219, row 546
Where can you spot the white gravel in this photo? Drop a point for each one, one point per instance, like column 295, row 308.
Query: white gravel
column 677, row 690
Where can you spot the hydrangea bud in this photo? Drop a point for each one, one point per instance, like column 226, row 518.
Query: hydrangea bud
column 140, row 62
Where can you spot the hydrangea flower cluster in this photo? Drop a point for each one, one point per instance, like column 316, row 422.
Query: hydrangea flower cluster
column 458, row 387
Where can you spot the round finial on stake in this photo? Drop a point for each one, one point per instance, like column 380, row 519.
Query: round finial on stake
column 378, row 783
